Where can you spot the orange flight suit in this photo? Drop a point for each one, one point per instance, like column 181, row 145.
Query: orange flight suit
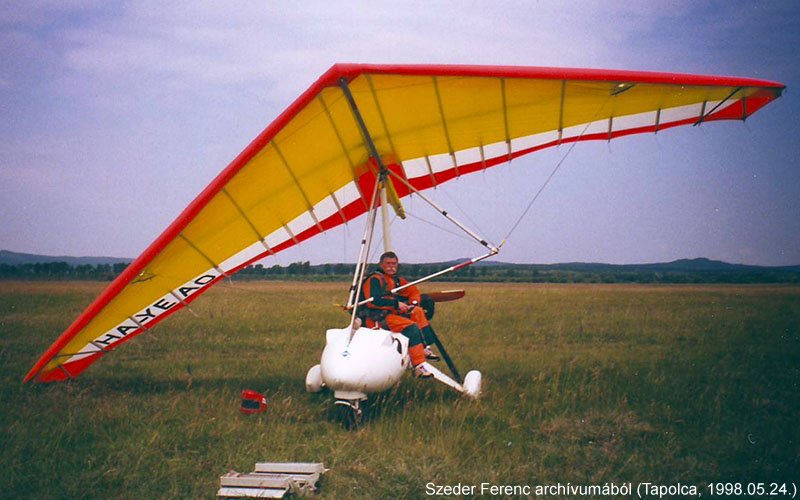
column 384, row 308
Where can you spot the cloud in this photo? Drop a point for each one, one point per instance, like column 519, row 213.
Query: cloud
column 158, row 96
column 276, row 49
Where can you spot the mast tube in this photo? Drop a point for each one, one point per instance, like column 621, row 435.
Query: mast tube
column 387, row 237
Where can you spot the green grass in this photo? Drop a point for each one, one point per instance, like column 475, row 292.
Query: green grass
column 583, row 384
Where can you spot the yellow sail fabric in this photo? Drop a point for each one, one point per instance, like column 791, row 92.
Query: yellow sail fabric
column 309, row 170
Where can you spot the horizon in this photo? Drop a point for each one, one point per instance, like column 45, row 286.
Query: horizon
column 458, row 259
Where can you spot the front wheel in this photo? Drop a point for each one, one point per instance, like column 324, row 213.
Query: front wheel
column 349, row 413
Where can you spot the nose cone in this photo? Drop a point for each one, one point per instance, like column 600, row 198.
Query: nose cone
column 371, row 362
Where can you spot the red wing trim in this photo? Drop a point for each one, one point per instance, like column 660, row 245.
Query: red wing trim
column 351, row 71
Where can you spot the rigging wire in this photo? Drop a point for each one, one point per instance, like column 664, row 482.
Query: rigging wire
column 437, row 226
column 436, row 207
column 553, row 173
column 464, row 212
column 538, row 193
column 426, row 221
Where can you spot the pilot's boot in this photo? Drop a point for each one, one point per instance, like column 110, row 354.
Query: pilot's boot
column 417, row 354
column 430, row 355
column 428, row 336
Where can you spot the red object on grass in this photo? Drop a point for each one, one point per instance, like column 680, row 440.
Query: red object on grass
column 253, row 402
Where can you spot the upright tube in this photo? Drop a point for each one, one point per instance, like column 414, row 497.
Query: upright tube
column 387, row 237
column 363, row 253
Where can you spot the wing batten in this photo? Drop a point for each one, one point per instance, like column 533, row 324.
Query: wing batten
column 442, row 116
column 561, row 109
column 430, row 170
column 338, row 207
column 201, row 254
column 244, row 216
column 100, row 348
column 137, row 323
column 338, row 134
column 388, row 135
column 744, row 108
column 504, row 107
column 296, row 182
column 704, row 115
column 65, row 371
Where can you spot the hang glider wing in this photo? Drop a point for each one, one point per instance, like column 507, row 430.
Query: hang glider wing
column 310, row 170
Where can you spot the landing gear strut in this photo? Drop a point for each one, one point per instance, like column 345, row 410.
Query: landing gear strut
column 349, row 412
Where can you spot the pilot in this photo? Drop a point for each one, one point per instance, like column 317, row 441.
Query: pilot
column 399, row 312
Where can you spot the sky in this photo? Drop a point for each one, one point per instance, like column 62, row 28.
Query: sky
column 117, row 114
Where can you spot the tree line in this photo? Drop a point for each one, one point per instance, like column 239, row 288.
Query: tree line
column 513, row 273
column 61, row 271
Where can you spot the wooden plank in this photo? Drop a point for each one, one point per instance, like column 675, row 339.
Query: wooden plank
column 267, row 480
column 271, row 480
column 290, row 467
column 251, row 492
column 255, row 480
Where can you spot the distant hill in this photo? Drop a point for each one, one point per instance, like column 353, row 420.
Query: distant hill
column 16, row 259
column 681, row 265
column 703, row 265
column 680, row 271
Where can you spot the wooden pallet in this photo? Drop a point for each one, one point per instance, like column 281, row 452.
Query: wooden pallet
column 272, row 480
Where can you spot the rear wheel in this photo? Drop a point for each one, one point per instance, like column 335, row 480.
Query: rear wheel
column 472, row 384
column 314, row 381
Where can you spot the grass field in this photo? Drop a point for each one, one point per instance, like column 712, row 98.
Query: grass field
column 582, row 384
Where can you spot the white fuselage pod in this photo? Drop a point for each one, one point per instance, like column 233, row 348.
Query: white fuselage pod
column 373, row 361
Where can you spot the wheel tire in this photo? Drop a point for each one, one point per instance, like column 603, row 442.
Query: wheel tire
column 349, row 414
column 472, row 384
column 314, row 382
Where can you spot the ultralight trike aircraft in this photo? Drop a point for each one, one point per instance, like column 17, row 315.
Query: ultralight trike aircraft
column 361, row 138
